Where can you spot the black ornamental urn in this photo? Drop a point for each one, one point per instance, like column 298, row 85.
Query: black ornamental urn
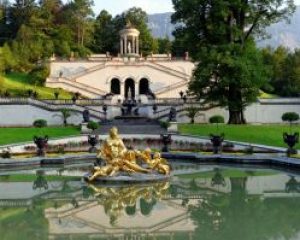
column 93, row 141
column 216, row 141
column 86, row 116
column 166, row 140
column 291, row 140
column 41, row 144
column 154, row 108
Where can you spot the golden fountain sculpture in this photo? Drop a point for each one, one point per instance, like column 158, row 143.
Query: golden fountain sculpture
column 120, row 159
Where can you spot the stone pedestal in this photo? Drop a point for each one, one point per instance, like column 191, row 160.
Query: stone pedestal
column 173, row 128
column 84, row 129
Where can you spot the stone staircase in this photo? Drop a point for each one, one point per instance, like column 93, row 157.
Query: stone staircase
column 133, row 125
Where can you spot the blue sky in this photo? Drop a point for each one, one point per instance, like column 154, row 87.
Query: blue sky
column 118, row 6
column 150, row 6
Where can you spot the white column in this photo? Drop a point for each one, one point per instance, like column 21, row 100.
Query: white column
column 126, row 45
column 134, row 45
column 122, row 86
column 137, row 46
column 121, row 46
column 136, row 88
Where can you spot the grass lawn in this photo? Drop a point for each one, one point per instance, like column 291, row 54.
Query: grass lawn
column 265, row 95
column 261, row 134
column 17, row 135
column 17, row 83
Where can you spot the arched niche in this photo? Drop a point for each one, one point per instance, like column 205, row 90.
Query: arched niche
column 115, row 86
column 129, row 88
column 144, row 86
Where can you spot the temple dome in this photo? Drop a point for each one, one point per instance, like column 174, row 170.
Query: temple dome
column 129, row 30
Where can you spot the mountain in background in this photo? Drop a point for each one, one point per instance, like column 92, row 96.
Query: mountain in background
column 160, row 25
column 281, row 33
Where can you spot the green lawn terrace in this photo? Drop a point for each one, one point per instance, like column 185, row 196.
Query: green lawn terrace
column 265, row 134
column 18, row 85
column 61, row 146
column 194, row 138
column 21, row 135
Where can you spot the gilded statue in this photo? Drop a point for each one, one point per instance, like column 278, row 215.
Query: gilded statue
column 156, row 163
column 118, row 158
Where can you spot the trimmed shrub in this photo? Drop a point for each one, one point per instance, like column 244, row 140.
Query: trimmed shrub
column 164, row 124
column 92, row 125
column 39, row 74
column 216, row 119
column 290, row 117
column 56, row 94
column 40, row 123
column 6, row 94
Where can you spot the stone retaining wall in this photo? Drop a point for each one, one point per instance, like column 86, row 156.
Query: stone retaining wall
column 262, row 112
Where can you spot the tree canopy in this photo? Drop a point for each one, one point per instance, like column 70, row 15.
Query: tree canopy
column 31, row 31
column 285, row 71
column 220, row 37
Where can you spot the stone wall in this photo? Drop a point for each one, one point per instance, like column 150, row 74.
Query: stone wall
column 25, row 115
column 264, row 111
column 166, row 78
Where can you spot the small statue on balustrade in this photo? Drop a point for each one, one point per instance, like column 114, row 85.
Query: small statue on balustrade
column 172, row 115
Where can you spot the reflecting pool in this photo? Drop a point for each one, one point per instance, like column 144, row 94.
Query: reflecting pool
column 200, row 202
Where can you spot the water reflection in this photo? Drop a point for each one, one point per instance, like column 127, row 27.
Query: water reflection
column 40, row 181
column 292, row 185
column 119, row 212
column 131, row 201
column 217, row 204
column 218, row 179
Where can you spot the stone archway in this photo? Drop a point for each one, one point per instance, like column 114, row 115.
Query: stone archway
column 144, row 86
column 115, row 86
column 129, row 88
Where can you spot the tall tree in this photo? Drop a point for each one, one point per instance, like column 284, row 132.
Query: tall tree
column 285, row 65
column 81, row 11
column 288, row 84
column 20, row 14
column 104, row 39
column 4, row 29
column 49, row 12
column 164, row 45
column 220, row 38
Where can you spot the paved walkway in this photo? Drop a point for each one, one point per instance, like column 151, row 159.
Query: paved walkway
column 133, row 126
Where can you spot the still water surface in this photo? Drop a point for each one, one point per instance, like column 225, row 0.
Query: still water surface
column 200, row 202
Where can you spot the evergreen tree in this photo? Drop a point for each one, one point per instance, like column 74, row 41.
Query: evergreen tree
column 80, row 12
column 164, row 45
column 285, row 65
column 104, row 39
column 4, row 29
column 20, row 14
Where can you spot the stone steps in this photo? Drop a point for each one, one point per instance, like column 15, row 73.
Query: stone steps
column 133, row 126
